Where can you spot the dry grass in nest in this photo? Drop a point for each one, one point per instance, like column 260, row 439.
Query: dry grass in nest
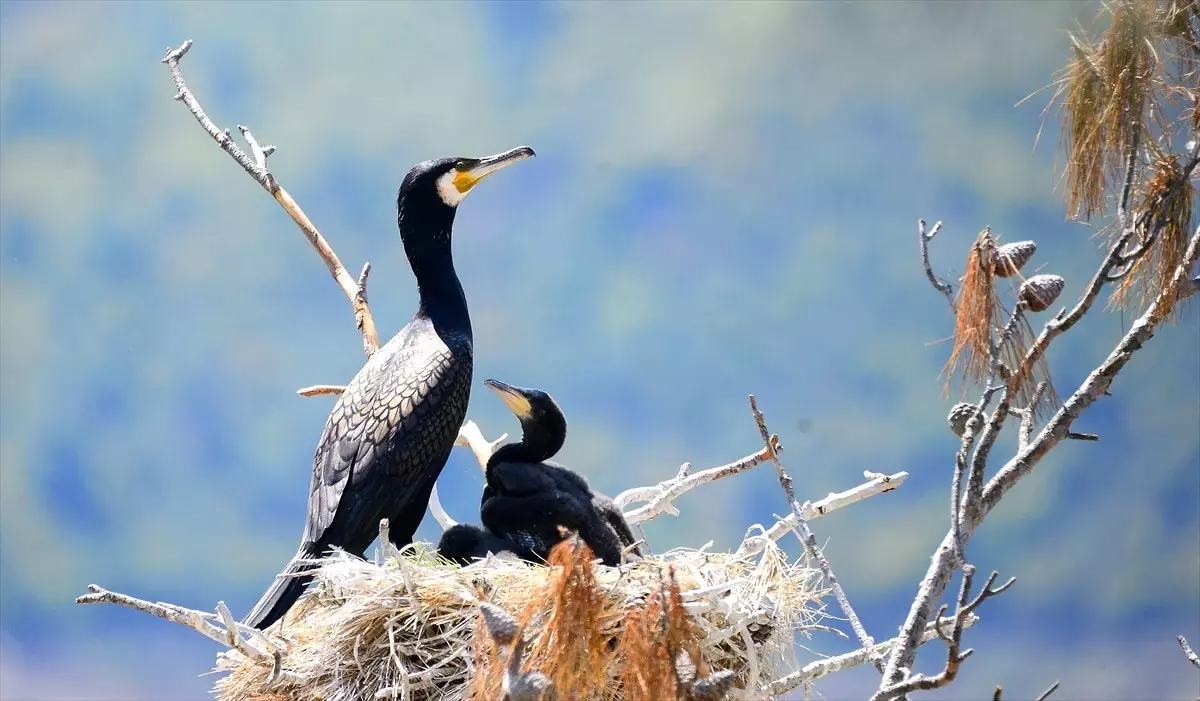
column 1152, row 273
column 411, row 627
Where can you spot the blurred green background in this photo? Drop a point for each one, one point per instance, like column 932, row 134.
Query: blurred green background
column 724, row 202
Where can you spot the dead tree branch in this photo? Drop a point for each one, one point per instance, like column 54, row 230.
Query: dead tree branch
column 1057, row 429
column 806, row 533
column 661, row 496
column 938, row 284
column 1188, row 651
column 821, row 668
column 256, row 166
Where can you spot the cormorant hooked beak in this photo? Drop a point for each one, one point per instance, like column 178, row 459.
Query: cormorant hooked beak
column 514, row 397
column 469, row 171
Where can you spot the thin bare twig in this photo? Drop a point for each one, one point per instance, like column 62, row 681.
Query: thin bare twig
column 1188, row 651
column 254, row 646
column 806, row 533
column 878, row 484
column 661, row 495
column 256, row 167
column 938, row 284
column 821, row 668
column 1046, row 694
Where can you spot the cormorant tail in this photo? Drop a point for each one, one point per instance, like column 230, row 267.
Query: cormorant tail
column 287, row 588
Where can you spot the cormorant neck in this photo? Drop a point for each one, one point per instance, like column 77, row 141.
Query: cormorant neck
column 540, row 441
column 427, row 236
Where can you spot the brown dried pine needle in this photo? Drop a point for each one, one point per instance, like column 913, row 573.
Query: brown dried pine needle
column 1152, row 274
column 975, row 314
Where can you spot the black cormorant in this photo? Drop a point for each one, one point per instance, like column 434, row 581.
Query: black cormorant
column 392, row 429
column 527, row 497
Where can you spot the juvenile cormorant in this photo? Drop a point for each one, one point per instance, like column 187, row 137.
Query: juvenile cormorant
column 527, row 497
column 391, row 431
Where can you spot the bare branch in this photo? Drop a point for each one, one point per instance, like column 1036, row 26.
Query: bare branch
column 938, row 284
column 815, row 670
column 1188, row 651
column 256, row 167
column 806, row 534
column 439, row 512
column 255, row 646
column 315, row 390
column 878, row 484
column 1056, row 430
column 661, row 495
column 469, row 436
column 954, row 653
column 1046, row 694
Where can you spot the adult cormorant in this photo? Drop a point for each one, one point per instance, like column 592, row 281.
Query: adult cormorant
column 527, row 497
column 392, row 429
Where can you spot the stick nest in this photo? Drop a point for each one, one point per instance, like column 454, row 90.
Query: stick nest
column 411, row 627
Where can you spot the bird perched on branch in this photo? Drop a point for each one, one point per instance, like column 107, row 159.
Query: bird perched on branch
column 392, row 429
column 528, row 500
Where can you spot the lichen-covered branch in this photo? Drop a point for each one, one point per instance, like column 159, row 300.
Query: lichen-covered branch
column 1188, row 651
column 661, row 495
column 255, row 164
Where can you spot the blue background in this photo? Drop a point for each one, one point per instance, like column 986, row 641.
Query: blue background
column 724, row 202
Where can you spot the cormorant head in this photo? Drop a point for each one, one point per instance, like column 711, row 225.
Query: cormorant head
column 450, row 179
column 542, row 421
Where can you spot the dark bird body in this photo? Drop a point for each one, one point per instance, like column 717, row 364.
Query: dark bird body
column 392, row 429
column 528, row 497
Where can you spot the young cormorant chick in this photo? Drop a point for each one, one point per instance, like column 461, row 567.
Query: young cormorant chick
column 392, row 429
column 528, row 497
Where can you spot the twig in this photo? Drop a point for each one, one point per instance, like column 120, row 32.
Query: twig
column 439, row 512
column 938, row 284
column 1188, row 651
column 954, row 654
column 661, row 495
column 1057, row 428
column 255, row 646
column 315, row 390
column 879, row 484
column 820, row 668
column 806, row 533
column 997, row 693
column 469, row 436
column 256, row 167
column 1046, row 694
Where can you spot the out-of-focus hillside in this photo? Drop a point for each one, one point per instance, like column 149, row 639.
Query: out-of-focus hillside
column 724, row 201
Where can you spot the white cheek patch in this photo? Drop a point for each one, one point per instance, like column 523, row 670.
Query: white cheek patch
column 447, row 191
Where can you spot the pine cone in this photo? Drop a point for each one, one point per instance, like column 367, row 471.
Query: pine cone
column 1011, row 257
column 1040, row 291
column 960, row 414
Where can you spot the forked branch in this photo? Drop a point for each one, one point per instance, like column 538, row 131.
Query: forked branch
column 255, row 164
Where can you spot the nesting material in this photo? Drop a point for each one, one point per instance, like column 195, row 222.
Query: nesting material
column 412, row 627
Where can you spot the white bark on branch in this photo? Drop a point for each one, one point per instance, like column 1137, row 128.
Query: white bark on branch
column 256, row 167
column 1057, row 429
column 879, row 484
column 661, row 495
column 821, row 668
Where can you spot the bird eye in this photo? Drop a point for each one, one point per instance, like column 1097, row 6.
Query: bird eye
column 460, row 165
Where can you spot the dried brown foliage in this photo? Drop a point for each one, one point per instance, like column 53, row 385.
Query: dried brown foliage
column 1151, row 274
column 975, row 312
column 572, row 648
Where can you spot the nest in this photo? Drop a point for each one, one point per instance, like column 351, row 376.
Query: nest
column 411, row 627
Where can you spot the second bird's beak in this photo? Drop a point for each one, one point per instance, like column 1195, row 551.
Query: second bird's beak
column 513, row 397
column 479, row 168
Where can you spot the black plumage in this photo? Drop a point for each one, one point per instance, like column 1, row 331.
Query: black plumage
column 528, row 499
column 392, row 429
